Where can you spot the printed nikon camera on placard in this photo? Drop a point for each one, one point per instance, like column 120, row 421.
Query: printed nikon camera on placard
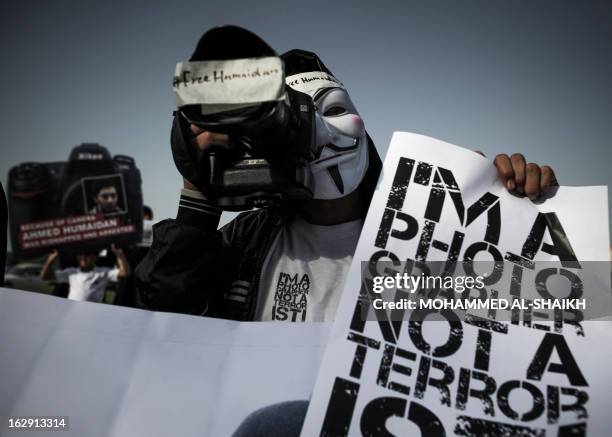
column 85, row 204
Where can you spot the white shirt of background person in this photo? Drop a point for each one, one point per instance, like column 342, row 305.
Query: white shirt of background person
column 87, row 285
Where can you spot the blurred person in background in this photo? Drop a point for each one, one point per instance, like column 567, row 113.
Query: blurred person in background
column 3, row 226
column 87, row 282
column 126, row 290
column 147, row 213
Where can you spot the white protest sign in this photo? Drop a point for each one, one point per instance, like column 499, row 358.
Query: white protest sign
column 229, row 84
column 116, row 371
column 473, row 377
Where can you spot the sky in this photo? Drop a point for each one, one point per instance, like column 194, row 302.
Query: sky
column 533, row 77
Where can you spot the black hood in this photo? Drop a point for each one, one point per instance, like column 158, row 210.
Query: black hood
column 368, row 184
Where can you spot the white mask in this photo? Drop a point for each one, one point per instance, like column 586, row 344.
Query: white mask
column 341, row 146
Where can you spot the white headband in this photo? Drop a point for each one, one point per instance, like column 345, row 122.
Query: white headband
column 222, row 85
column 312, row 81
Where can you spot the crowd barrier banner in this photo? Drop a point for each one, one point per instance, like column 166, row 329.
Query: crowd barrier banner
column 113, row 371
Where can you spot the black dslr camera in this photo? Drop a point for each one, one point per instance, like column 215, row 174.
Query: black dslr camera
column 270, row 142
column 83, row 204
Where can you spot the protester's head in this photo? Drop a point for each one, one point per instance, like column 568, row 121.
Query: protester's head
column 147, row 213
column 87, row 260
column 106, row 197
column 229, row 42
column 341, row 148
column 339, row 156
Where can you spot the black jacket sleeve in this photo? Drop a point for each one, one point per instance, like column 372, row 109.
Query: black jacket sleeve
column 189, row 264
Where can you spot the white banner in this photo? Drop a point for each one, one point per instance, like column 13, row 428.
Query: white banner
column 495, row 377
column 116, row 371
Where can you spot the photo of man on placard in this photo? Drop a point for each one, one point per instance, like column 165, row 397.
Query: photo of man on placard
column 104, row 195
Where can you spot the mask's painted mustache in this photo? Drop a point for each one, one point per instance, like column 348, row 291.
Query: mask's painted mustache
column 340, row 150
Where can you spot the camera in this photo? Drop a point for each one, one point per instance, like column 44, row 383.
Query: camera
column 82, row 204
column 270, row 142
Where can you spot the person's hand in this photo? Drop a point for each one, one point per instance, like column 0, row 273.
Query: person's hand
column 45, row 271
column 202, row 141
column 524, row 179
column 116, row 250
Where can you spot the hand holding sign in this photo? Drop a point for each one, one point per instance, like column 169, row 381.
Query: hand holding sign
column 522, row 178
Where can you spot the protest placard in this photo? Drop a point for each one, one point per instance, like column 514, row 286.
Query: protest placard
column 463, row 374
column 80, row 205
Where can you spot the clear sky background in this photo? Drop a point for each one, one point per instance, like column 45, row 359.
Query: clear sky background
column 500, row 76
